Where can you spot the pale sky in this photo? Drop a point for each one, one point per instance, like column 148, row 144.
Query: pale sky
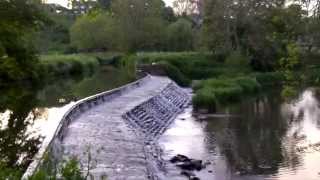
column 65, row 2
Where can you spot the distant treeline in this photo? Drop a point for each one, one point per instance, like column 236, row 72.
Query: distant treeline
column 269, row 34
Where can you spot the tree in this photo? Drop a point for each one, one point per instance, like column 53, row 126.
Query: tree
column 104, row 4
column 94, row 32
column 19, row 18
column 54, row 36
column 140, row 24
column 168, row 14
column 259, row 29
column 180, row 36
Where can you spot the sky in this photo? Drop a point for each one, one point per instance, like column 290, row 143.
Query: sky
column 65, row 2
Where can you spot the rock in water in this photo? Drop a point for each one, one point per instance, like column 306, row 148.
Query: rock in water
column 179, row 158
column 191, row 165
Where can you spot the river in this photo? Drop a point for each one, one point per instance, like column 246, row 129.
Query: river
column 260, row 138
column 29, row 114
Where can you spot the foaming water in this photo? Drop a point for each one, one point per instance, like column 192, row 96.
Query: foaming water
column 268, row 139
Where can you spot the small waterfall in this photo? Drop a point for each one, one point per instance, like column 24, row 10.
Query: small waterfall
column 153, row 117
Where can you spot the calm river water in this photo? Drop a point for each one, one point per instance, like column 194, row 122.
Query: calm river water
column 264, row 138
column 28, row 114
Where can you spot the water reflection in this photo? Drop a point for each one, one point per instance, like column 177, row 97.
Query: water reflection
column 29, row 114
column 17, row 146
column 268, row 139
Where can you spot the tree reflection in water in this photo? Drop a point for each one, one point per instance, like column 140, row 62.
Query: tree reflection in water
column 17, row 144
column 24, row 111
column 257, row 142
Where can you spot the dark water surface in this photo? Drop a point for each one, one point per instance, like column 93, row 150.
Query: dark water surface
column 28, row 114
column 266, row 138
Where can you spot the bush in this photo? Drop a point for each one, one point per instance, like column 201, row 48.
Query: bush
column 212, row 92
column 71, row 170
column 269, row 79
column 204, row 98
column 190, row 64
column 248, row 84
column 227, row 94
column 180, row 35
column 54, row 65
column 175, row 74
column 94, row 31
column 128, row 65
column 10, row 174
column 236, row 58
column 68, row 170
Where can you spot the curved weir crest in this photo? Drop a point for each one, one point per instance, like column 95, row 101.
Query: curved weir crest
column 119, row 129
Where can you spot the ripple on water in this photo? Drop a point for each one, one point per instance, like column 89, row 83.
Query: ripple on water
column 275, row 134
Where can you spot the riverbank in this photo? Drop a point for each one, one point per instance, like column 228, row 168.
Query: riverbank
column 128, row 147
column 28, row 113
column 222, row 79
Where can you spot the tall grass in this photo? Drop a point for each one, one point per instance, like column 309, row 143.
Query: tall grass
column 269, row 78
column 174, row 73
column 54, row 65
column 192, row 65
column 215, row 91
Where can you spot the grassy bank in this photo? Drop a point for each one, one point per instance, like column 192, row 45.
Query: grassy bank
column 84, row 63
column 187, row 66
column 54, row 65
column 216, row 91
column 220, row 79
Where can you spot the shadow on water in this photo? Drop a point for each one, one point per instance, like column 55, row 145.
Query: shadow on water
column 267, row 139
column 28, row 114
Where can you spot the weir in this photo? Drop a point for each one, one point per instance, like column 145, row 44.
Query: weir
column 114, row 134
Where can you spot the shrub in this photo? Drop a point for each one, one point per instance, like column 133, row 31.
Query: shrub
column 288, row 92
column 223, row 90
column 228, row 94
column 71, row 170
column 175, row 74
column 128, row 65
column 269, row 79
column 205, row 98
column 68, row 170
column 10, row 174
column 248, row 84
column 192, row 65
column 93, row 32
column 68, row 64
column 236, row 58
column 180, row 35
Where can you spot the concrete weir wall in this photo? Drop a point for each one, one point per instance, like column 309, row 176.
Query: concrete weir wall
column 121, row 127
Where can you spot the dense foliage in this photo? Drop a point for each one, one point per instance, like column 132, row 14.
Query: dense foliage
column 17, row 56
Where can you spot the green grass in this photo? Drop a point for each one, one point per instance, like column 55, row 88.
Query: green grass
column 269, row 78
column 186, row 66
column 54, row 65
column 174, row 73
column 212, row 92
